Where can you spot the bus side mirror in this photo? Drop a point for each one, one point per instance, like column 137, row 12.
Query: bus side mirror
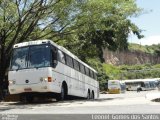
column 55, row 62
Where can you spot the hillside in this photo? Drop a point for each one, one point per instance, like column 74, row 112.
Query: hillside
column 153, row 49
column 132, row 72
column 136, row 54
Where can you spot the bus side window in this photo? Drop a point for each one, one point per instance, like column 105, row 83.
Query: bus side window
column 61, row 57
column 87, row 71
column 91, row 72
column 76, row 65
column 69, row 61
column 82, row 68
column 54, row 57
column 95, row 76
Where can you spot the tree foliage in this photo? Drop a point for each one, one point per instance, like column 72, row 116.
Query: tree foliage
column 107, row 25
column 132, row 72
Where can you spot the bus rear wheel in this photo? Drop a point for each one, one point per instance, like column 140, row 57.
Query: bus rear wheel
column 92, row 95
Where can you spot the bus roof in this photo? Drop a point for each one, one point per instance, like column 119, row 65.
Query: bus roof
column 141, row 80
column 39, row 42
column 121, row 81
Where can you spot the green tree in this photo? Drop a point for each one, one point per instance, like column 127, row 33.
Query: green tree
column 107, row 25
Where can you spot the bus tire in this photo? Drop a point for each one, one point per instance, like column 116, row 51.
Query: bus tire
column 88, row 95
column 63, row 95
column 92, row 95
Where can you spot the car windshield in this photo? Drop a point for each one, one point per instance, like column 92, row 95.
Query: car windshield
column 30, row 57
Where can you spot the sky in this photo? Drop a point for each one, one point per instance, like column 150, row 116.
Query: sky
column 148, row 22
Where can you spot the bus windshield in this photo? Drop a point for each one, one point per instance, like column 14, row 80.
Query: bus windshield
column 30, row 57
column 113, row 84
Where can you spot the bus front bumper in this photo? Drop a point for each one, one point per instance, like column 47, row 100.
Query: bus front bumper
column 114, row 91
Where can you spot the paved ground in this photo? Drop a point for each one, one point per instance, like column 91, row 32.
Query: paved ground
column 129, row 102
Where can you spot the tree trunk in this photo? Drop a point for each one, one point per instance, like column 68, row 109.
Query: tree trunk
column 2, row 72
column 4, row 62
column 100, row 54
column 3, row 68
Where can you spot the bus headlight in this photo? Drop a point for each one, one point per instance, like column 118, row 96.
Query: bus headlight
column 11, row 82
column 46, row 79
column 43, row 79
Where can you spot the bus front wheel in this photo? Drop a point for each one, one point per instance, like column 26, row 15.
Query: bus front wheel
column 63, row 94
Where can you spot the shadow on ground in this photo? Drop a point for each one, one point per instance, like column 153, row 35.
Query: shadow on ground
column 5, row 106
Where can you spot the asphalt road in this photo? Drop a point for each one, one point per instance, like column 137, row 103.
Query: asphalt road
column 128, row 103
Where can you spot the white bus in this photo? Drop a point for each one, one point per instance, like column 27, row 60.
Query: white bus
column 145, row 84
column 116, row 87
column 43, row 68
